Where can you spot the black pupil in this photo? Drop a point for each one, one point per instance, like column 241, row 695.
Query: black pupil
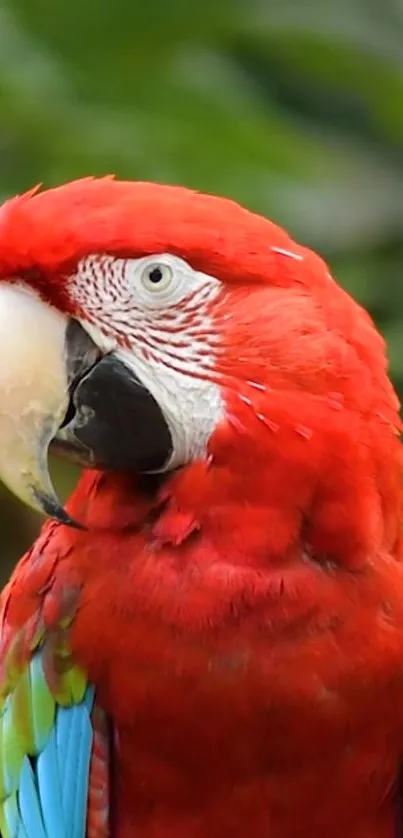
column 155, row 275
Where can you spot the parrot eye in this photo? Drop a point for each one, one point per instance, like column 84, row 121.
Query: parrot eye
column 156, row 278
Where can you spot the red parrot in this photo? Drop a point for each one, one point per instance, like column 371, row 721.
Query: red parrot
column 207, row 642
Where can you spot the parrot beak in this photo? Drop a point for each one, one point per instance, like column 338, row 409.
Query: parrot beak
column 34, row 395
column 59, row 391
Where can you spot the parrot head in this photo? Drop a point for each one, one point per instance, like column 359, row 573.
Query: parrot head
column 148, row 327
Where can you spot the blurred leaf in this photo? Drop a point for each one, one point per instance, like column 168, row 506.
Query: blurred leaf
column 294, row 109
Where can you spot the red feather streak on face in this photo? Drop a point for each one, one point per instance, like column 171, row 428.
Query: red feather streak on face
column 244, row 627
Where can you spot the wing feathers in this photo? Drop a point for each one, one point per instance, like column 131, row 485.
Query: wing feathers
column 45, row 754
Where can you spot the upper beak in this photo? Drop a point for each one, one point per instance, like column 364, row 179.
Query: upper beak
column 57, row 389
column 33, row 394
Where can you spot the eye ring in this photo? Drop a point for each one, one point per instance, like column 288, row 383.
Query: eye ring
column 156, row 277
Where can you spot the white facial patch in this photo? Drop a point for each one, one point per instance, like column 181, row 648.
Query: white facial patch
column 155, row 313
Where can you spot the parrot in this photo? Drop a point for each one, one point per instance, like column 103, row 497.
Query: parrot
column 206, row 639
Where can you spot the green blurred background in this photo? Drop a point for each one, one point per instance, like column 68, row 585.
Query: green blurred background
column 293, row 108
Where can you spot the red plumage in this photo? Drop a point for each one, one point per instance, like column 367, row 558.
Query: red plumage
column 243, row 624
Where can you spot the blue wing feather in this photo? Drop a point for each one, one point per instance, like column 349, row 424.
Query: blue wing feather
column 29, row 806
column 48, row 796
column 82, row 765
column 49, row 781
column 62, row 774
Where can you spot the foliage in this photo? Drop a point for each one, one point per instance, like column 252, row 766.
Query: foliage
column 293, row 108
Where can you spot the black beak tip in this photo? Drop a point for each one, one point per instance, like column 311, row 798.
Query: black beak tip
column 53, row 509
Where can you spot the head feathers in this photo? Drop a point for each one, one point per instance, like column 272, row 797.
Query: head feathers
column 53, row 229
column 44, row 234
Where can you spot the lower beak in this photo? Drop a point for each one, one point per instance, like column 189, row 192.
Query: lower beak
column 58, row 390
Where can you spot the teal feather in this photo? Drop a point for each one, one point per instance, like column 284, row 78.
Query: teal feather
column 81, row 764
column 49, row 780
column 29, row 803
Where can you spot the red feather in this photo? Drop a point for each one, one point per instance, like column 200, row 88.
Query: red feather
column 244, row 626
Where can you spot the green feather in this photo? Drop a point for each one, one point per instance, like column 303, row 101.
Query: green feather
column 42, row 707
column 9, row 816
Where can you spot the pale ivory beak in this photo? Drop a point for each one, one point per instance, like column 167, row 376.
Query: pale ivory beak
column 33, row 394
